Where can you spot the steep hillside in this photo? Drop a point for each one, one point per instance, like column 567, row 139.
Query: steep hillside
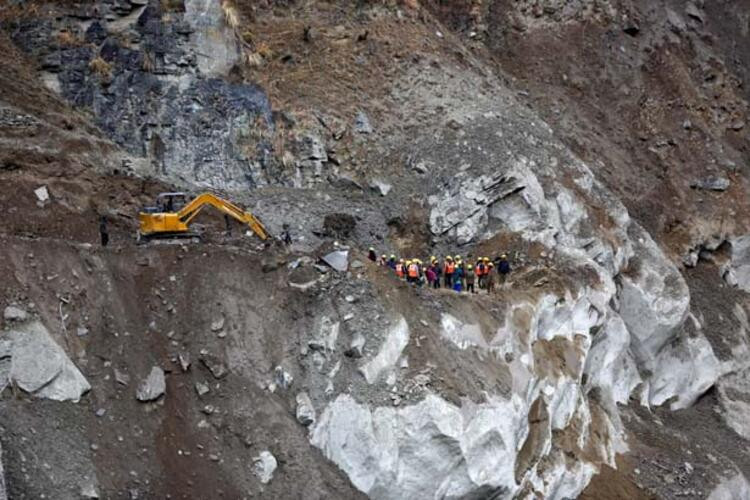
column 602, row 145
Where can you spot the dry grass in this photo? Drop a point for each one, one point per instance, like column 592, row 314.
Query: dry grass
column 248, row 36
column 264, row 50
column 148, row 64
column 18, row 10
column 253, row 54
column 67, row 39
column 231, row 14
column 101, row 67
column 328, row 72
column 252, row 59
column 173, row 5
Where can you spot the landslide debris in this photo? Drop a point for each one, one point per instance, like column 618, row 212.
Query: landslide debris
column 417, row 127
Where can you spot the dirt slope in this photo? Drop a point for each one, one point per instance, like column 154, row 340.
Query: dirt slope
column 659, row 106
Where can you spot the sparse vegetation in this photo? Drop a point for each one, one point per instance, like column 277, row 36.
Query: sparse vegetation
column 231, row 14
column 252, row 59
column 11, row 11
column 264, row 50
column 173, row 5
column 66, row 38
column 148, row 64
column 253, row 54
column 101, row 67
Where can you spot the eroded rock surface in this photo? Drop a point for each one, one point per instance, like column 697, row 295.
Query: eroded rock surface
column 731, row 488
column 3, row 491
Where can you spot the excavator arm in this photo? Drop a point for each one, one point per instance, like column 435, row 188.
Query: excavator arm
column 189, row 211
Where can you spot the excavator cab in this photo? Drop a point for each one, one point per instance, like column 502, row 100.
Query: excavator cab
column 172, row 214
column 166, row 203
column 171, row 202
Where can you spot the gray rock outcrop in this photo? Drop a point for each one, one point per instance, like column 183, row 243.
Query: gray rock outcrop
column 212, row 39
column 165, row 98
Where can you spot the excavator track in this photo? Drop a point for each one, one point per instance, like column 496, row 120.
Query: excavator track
column 166, row 238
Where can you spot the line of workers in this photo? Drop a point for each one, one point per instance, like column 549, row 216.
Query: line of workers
column 453, row 273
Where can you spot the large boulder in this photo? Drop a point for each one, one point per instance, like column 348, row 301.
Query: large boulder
column 683, row 371
column 39, row 366
column 338, row 260
column 264, row 466
column 153, row 387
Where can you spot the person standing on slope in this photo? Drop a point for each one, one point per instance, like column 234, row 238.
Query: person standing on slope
column 448, row 268
column 503, row 269
column 458, row 278
column 103, row 233
column 489, row 277
column 438, row 271
column 431, row 276
column 480, row 268
column 470, row 276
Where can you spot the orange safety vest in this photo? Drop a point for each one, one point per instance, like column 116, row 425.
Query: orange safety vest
column 413, row 271
column 399, row 270
column 480, row 270
column 450, row 267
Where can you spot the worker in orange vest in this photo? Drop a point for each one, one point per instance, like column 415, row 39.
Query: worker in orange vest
column 448, row 268
column 413, row 272
column 480, row 270
column 400, row 268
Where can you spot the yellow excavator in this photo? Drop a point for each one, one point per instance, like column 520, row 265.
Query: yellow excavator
column 172, row 214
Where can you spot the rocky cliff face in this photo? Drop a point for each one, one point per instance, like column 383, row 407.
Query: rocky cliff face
column 406, row 126
column 149, row 73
